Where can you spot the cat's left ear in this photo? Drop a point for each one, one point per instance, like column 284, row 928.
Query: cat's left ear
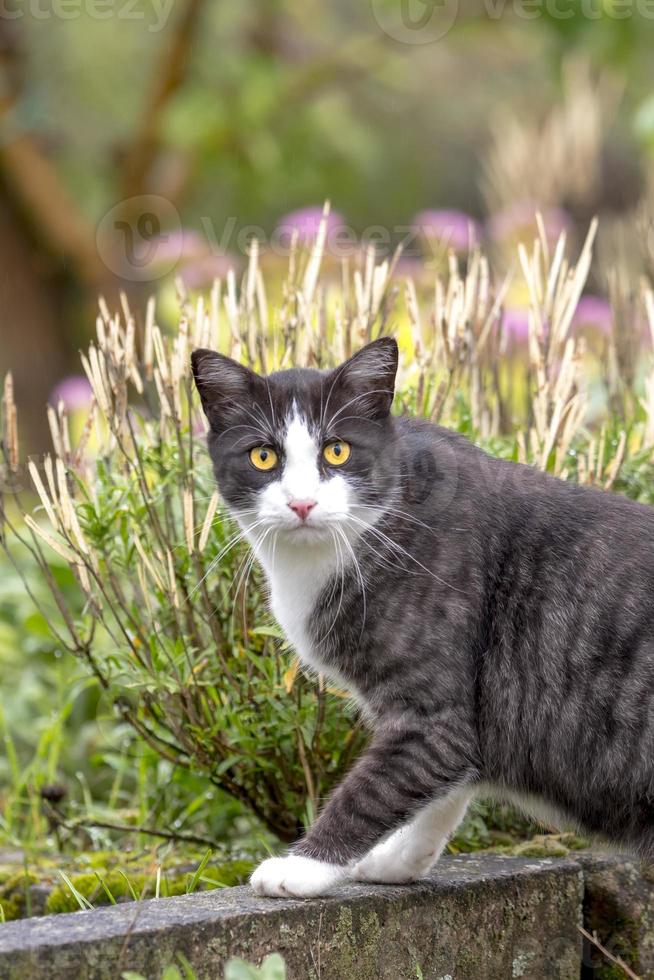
column 369, row 378
column 224, row 385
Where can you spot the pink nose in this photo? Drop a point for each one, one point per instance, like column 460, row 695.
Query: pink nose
column 302, row 507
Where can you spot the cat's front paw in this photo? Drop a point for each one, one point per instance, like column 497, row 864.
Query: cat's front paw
column 296, row 877
column 389, row 865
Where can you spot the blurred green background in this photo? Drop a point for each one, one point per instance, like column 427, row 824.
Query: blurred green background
column 125, row 122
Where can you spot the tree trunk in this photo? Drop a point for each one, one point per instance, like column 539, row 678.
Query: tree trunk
column 32, row 344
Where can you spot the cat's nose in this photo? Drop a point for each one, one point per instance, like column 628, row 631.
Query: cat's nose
column 302, row 507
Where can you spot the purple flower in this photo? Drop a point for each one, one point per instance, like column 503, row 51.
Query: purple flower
column 75, row 392
column 306, row 222
column 519, row 223
column 454, row 229
column 515, row 325
column 593, row 311
column 202, row 271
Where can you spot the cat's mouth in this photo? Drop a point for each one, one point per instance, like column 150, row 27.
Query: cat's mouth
column 306, row 531
column 304, row 527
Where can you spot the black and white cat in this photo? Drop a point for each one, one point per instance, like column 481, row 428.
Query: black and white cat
column 495, row 625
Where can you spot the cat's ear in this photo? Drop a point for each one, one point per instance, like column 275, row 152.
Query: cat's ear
column 223, row 384
column 369, row 378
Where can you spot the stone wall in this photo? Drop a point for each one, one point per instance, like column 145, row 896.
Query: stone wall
column 476, row 918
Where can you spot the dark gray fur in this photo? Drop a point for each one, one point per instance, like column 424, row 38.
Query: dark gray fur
column 508, row 636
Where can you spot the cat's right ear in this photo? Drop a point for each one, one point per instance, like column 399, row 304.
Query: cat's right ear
column 369, row 378
column 223, row 384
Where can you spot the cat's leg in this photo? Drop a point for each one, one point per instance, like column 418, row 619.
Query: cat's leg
column 410, row 852
column 403, row 770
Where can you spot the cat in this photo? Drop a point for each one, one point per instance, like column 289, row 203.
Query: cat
column 495, row 624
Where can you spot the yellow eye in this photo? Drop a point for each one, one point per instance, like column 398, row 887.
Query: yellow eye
column 263, row 458
column 337, row 453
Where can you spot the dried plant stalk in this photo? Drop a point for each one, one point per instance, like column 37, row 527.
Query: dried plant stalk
column 10, row 424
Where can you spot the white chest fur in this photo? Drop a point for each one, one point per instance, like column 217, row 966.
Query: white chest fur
column 297, row 577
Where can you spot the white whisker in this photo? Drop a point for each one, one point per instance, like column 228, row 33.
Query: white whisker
column 357, row 569
column 399, row 548
column 340, row 569
column 228, row 547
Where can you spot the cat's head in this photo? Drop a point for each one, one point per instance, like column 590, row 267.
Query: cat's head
column 302, row 452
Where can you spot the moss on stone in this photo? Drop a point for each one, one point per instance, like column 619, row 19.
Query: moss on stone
column 547, row 845
column 96, row 886
column 344, row 943
column 576, row 843
column 540, row 849
column 62, row 899
column 355, row 948
column 14, row 894
column 616, row 930
column 42, row 891
column 229, row 873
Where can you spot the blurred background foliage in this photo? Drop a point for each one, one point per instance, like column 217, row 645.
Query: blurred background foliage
column 236, row 114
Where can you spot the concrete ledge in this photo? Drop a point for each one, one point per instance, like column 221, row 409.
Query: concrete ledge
column 483, row 918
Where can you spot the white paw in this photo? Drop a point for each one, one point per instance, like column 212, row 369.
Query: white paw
column 387, row 864
column 297, row 877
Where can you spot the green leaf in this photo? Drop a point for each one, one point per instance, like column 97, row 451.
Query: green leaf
column 81, row 900
column 171, row 973
column 193, row 883
column 106, row 888
column 129, row 885
column 272, row 968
